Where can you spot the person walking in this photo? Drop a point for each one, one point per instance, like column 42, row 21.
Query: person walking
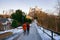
column 24, row 28
column 28, row 28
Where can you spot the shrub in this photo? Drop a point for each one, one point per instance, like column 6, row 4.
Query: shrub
column 14, row 24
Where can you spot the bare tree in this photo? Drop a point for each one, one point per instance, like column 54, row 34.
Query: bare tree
column 58, row 6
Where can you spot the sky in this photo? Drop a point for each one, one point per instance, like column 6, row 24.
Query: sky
column 24, row 5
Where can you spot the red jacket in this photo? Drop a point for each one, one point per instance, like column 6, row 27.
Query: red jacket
column 24, row 26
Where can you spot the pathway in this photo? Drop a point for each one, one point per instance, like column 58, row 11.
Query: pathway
column 33, row 35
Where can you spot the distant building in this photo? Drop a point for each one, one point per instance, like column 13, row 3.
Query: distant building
column 5, row 24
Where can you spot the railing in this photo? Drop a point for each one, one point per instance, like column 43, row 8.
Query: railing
column 51, row 36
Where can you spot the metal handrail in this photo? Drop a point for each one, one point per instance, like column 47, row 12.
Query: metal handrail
column 51, row 36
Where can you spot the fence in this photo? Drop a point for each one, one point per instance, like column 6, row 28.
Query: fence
column 52, row 32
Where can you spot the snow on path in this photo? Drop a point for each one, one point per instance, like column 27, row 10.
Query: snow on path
column 40, row 33
column 32, row 35
column 45, row 36
column 16, row 32
column 37, row 34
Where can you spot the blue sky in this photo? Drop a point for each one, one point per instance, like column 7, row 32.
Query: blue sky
column 26, row 4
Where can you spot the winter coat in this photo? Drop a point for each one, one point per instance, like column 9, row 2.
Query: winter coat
column 24, row 26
